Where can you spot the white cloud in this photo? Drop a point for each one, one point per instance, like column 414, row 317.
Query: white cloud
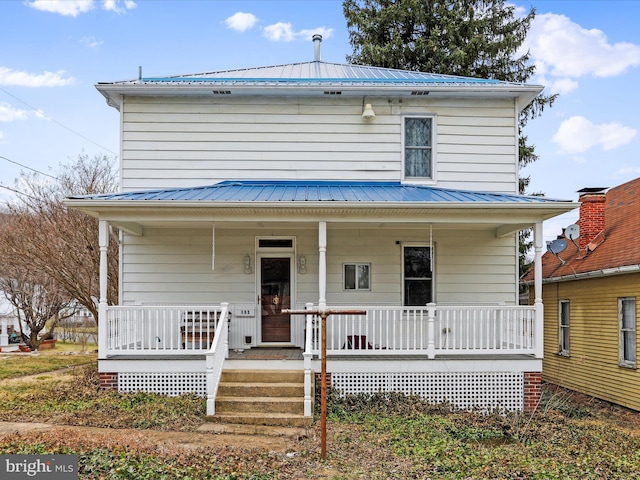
column 309, row 33
column 46, row 79
column 280, row 31
column 8, row 113
column 73, row 8
column 627, row 171
column 91, row 42
column 241, row 21
column 284, row 32
column 563, row 50
column 118, row 6
column 577, row 135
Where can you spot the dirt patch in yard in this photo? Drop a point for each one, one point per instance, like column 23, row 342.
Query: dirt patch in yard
column 155, row 439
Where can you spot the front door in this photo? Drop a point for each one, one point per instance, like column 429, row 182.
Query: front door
column 275, row 288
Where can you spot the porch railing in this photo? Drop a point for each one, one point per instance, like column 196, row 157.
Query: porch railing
column 432, row 330
column 216, row 356
column 385, row 330
column 167, row 330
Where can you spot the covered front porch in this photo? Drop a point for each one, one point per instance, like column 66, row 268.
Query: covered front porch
column 212, row 270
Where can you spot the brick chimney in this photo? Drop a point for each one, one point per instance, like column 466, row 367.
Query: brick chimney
column 591, row 214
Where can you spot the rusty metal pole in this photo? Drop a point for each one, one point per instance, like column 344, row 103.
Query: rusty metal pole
column 323, row 314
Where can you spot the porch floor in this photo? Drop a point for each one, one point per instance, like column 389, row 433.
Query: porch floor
column 263, row 353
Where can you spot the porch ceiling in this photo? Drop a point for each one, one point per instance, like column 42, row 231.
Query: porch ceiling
column 503, row 220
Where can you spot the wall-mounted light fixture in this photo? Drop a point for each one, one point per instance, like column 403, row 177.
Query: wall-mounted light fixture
column 247, row 264
column 302, row 264
column 367, row 112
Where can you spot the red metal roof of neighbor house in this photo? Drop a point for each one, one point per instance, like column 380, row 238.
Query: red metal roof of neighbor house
column 280, row 191
column 615, row 249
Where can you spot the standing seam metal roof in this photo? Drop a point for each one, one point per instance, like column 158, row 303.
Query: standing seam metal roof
column 318, row 72
column 317, row 191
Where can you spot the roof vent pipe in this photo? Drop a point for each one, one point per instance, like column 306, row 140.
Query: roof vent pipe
column 317, row 38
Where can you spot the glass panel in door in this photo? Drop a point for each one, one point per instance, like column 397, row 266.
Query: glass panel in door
column 275, row 288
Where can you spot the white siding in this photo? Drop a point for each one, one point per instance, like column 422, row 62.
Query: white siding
column 180, row 142
column 174, row 265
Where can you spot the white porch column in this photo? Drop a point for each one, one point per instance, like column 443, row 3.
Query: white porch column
column 539, row 308
column 322, row 266
column 103, row 323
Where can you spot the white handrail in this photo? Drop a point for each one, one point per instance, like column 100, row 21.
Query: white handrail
column 216, row 356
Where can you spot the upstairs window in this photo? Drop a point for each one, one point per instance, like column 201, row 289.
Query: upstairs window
column 418, row 147
column 563, row 347
column 627, row 323
column 418, row 276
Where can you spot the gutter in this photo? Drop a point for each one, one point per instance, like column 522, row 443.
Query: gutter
column 605, row 272
column 340, row 204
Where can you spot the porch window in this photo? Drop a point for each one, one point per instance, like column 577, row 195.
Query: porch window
column 627, row 323
column 418, row 275
column 357, row 276
column 563, row 348
column 418, row 147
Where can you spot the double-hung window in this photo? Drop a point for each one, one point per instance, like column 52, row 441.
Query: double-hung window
column 418, row 147
column 357, row 276
column 563, row 343
column 418, row 275
column 627, row 324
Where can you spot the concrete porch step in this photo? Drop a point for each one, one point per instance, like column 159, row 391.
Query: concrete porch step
column 262, row 389
column 279, row 404
column 295, row 432
column 261, row 397
column 259, row 419
column 262, row 376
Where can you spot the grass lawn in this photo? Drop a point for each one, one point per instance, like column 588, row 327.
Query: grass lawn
column 64, row 355
column 379, row 437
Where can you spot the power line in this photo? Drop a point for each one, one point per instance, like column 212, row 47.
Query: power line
column 17, row 191
column 29, row 168
column 39, row 112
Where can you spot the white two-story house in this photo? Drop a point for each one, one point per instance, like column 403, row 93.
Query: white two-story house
column 322, row 186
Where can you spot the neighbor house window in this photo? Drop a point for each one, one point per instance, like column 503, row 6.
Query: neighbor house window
column 627, row 323
column 357, row 276
column 418, row 147
column 564, row 328
column 418, row 275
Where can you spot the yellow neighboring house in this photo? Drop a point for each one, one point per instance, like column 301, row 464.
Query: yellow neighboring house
column 590, row 293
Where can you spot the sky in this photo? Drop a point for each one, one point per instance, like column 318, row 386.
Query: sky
column 53, row 52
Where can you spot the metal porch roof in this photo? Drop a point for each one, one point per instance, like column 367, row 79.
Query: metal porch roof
column 301, row 191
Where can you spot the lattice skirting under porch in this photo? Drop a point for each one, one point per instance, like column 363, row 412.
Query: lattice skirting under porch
column 483, row 391
column 170, row 384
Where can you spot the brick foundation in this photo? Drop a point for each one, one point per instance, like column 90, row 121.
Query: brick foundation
column 532, row 390
column 318, row 380
column 108, row 381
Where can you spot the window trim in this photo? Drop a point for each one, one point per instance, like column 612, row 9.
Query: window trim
column 623, row 360
column 356, row 288
column 422, row 180
column 431, row 248
column 564, row 350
